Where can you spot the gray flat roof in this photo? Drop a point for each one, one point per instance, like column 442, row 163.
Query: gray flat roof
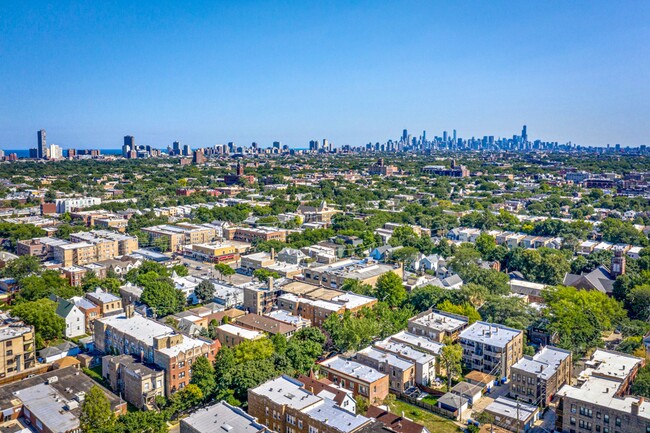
column 491, row 334
column 353, row 369
column 508, row 408
column 287, row 391
column 223, row 417
column 332, row 415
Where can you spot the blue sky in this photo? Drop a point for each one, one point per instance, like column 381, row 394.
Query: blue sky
column 351, row 71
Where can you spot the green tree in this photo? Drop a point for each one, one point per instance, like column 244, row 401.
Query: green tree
column 161, row 295
column 224, row 270
column 579, row 317
column 21, row 267
column 451, row 356
column 362, row 405
column 356, row 286
column 204, row 291
column 96, row 415
column 203, row 376
column 464, row 310
column 42, row 315
column 263, row 275
column 638, row 302
column 390, row 289
column 142, row 422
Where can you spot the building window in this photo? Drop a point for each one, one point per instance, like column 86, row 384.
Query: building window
column 618, row 422
column 572, row 421
column 606, row 419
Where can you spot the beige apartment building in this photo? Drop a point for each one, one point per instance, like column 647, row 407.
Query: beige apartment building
column 17, row 348
column 109, row 244
column 438, row 325
column 177, row 236
column 78, row 253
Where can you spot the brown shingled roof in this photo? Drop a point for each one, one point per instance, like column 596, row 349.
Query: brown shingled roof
column 394, row 422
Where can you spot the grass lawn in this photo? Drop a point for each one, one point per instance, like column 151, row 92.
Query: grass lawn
column 430, row 400
column 433, row 422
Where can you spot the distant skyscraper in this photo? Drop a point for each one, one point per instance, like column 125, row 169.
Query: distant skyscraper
column 41, row 149
column 187, row 151
column 128, row 146
column 454, row 135
column 424, row 137
column 524, row 134
column 405, row 135
column 444, row 136
column 176, row 148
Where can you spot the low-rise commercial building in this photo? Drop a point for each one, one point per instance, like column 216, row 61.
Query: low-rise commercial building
column 334, row 275
column 233, row 335
column 51, row 402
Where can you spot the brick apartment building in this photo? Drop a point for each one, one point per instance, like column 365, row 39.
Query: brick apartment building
column 285, row 405
column 152, row 342
column 360, row 379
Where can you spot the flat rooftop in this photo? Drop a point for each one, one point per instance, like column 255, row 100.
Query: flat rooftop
column 418, row 342
column 441, row 321
column 241, row 332
column 386, row 357
column 491, row 334
column 222, row 416
column 405, row 351
column 287, row 391
column 353, row 369
column 145, row 330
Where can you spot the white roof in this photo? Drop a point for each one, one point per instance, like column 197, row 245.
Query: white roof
column 145, row 330
column 419, row 342
column 440, row 321
column 405, row 351
column 510, row 408
column 488, row 333
column 353, row 369
column 287, row 391
column 386, row 357
column 223, row 417
column 239, row 331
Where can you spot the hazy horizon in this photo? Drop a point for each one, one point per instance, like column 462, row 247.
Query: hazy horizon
column 212, row 72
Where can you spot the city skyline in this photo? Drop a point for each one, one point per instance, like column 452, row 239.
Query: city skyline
column 211, row 72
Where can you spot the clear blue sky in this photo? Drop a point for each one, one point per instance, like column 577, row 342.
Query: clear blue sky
column 210, row 72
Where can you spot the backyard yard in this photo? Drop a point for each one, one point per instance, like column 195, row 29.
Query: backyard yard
column 433, row 422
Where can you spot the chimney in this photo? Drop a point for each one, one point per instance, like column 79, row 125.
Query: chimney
column 271, row 283
column 128, row 311
column 635, row 407
column 272, row 253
